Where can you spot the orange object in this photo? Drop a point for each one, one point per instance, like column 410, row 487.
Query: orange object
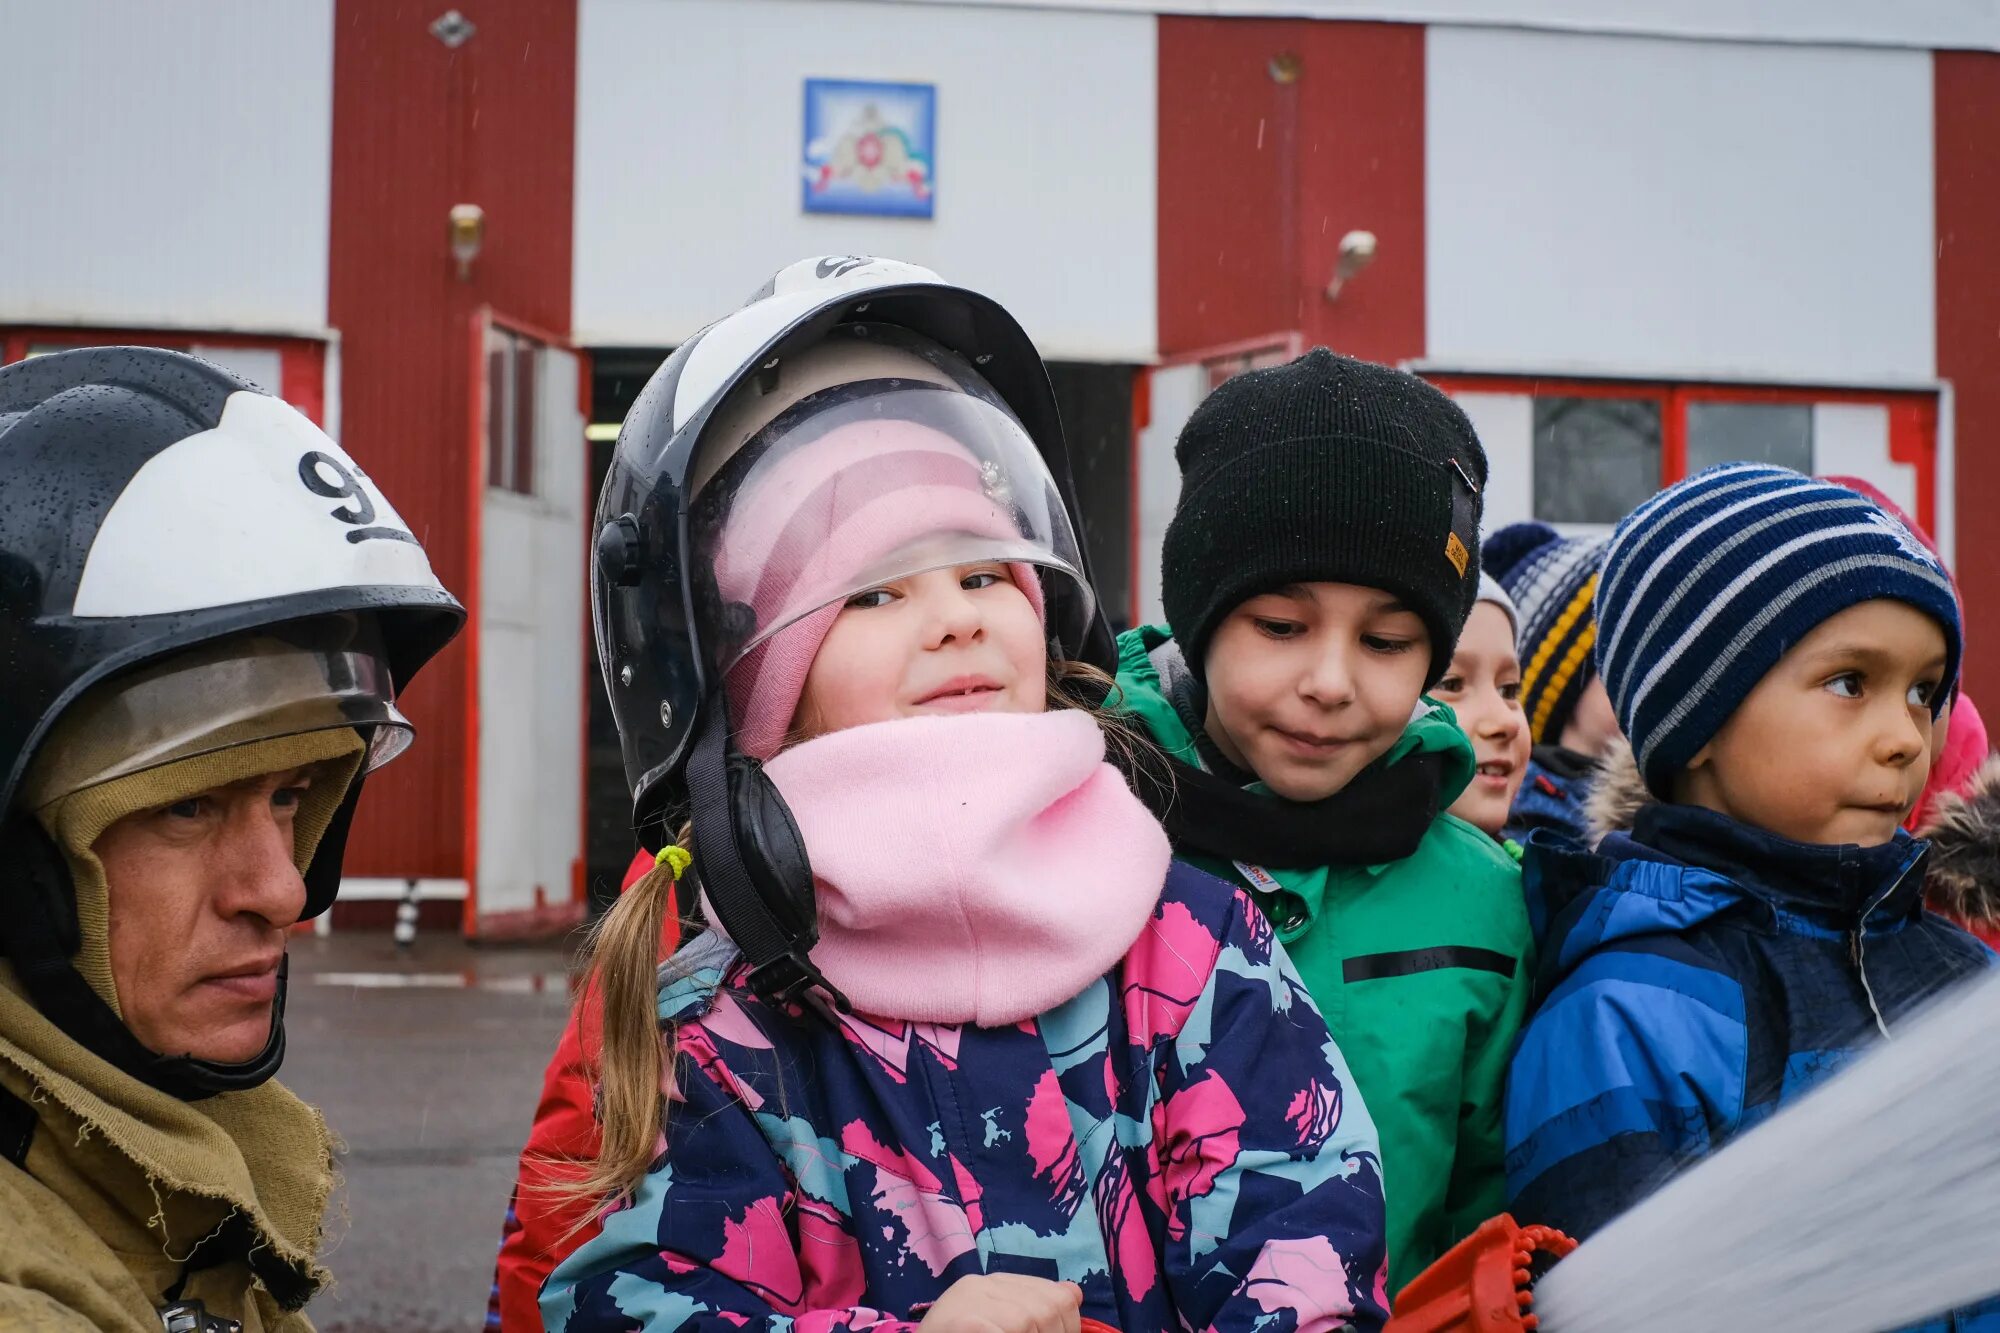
column 1483, row 1284
column 1092, row 1326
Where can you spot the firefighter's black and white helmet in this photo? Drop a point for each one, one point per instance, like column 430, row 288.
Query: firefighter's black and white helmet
column 196, row 565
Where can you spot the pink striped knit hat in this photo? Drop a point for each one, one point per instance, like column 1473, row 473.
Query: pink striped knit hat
column 822, row 523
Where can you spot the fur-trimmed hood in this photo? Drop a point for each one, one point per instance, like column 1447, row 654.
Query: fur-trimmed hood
column 1961, row 881
column 1617, row 793
column 1963, row 878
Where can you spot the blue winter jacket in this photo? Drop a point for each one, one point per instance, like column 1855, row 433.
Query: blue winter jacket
column 1695, row 975
column 1552, row 796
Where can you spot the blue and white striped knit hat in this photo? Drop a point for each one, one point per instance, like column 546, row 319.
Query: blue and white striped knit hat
column 1705, row 586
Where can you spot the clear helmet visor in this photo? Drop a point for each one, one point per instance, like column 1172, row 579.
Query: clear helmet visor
column 320, row 675
column 863, row 483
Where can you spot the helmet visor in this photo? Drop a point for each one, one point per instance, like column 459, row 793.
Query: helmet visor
column 319, row 675
column 863, row 484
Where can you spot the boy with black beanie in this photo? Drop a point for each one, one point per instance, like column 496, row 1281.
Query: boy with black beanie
column 1322, row 558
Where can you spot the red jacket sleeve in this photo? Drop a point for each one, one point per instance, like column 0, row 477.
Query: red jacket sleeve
column 536, row 1235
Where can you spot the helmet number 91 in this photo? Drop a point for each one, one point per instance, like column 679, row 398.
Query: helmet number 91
column 313, row 470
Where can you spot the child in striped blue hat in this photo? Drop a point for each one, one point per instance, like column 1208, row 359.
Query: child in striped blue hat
column 1777, row 649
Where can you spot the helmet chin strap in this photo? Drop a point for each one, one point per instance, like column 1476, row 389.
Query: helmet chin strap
column 752, row 865
column 39, row 938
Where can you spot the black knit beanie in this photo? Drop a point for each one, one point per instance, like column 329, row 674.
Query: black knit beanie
column 1331, row 470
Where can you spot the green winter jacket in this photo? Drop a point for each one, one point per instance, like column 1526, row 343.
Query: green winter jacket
column 1422, row 967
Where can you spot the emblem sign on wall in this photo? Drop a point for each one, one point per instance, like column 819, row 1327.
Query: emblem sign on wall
column 870, row 148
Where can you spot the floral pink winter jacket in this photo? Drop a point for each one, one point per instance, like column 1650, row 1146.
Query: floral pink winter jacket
column 1182, row 1140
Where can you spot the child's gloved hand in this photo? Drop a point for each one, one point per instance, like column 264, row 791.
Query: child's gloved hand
column 1006, row 1303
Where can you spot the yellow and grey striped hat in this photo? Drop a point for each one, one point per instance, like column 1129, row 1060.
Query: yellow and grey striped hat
column 1553, row 581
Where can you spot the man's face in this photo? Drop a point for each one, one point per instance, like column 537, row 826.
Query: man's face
column 201, row 893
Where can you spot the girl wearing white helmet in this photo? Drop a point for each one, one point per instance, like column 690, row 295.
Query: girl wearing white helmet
column 953, row 1045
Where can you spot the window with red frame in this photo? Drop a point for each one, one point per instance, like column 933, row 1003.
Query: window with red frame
column 292, row 368
column 1597, row 449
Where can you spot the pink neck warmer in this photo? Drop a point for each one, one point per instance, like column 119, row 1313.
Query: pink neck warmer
column 972, row 869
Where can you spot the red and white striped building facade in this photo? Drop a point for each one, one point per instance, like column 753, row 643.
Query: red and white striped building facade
column 1632, row 236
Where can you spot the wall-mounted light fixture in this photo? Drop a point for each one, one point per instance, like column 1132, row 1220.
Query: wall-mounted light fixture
column 468, row 234
column 1357, row 251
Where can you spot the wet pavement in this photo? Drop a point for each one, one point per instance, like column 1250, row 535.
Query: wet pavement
column 427, row 1062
